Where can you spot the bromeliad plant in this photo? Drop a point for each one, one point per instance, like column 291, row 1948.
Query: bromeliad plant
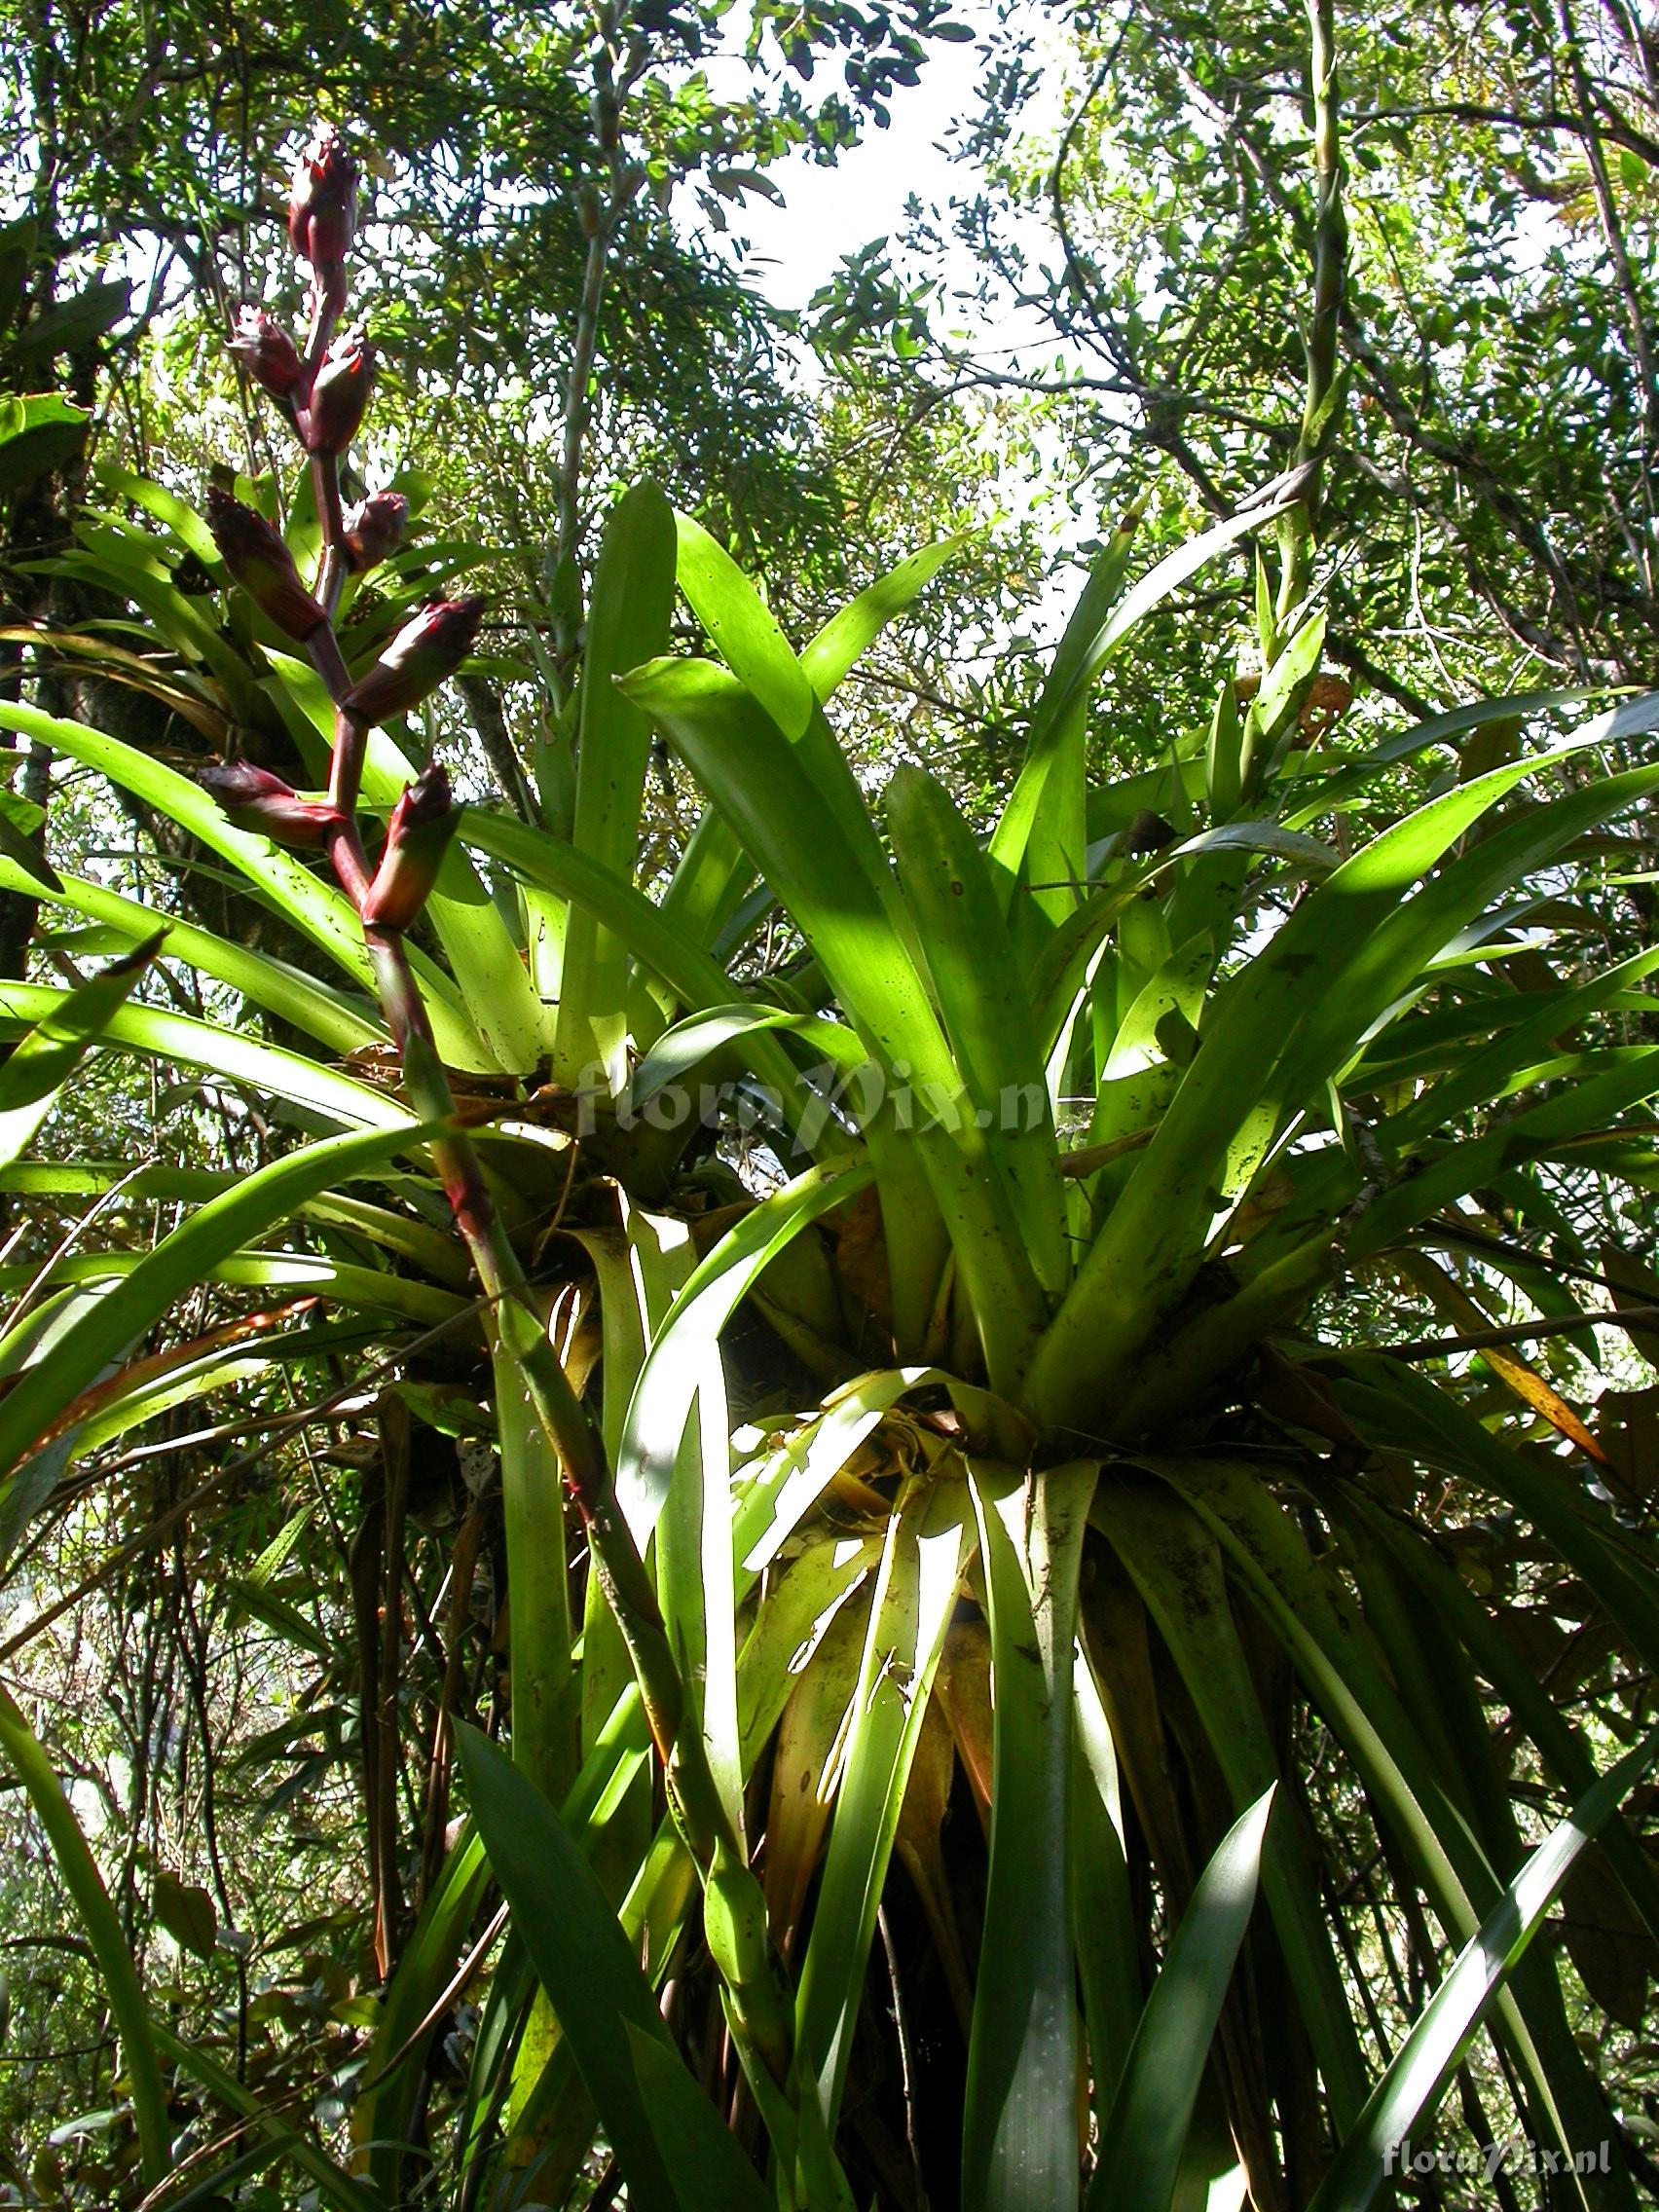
column 1070, row 1572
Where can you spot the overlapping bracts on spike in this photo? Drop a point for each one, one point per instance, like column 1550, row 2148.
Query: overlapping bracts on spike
column 340, row 394
column 423, row 652
column 417, row 837
column 374, row 528
column 253, row 799
column 268, row 353
column 258, row 559
column 322, row 206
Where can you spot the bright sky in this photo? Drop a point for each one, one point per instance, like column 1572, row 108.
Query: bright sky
column 829, row 213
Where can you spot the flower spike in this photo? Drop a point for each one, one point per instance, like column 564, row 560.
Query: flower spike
column 253, row 799
column 322, row 206
column 268, row 353
column 423, row 652
column 416, row 838
column 340, row 396
column 258, row 560
column 374, row 528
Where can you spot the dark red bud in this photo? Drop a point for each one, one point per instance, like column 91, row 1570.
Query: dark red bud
column 340, row 396
column 416, row 661
column 257, row 559
column 375, row 528
column 255, row 800
column 417, row 837
column 266, row 351
column 322, row 206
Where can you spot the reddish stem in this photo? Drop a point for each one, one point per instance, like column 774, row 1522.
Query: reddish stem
column 756, row 1976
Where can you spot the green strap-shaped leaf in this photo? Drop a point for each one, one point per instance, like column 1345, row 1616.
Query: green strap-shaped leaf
column 639, row 1274
column 1020, row 2129
column 127, row 562
column 1367, row 2163
column 168, row 1380
column 846, row 636
column 742, row 630
column 679, row 1351
column 705, row 2165
column 1395, row 1407
column 1410, row 935
column 1142, row 2143
column 681, row 1050
column 136, row 1301
column 1044, row 818
column 342, row 1024
column 708, row 881
column 915, row 1235
column 552, row 865
column 583, row 1959
column 738, row 756
column 24, row 1754
column 182, row 523
column 228, row 1053
column 914, row 1594
column 614, row 1760
column 1177, row 1568
column 985, row 1008
column 1287, row 1022
column 17, row 851
column 276, row 877
column 695, row 1582
column 1336, row 1655
column 433, row 1251
column 790, row 1481
column 322, row 912
column 489, row 964
column 1455, row 1166
column 749, row 642
column 546, row 1714
column 803, row 1599
column 1439, row 1039
column 1561, row 1744
column 1058, row 971
column 1039, row 838
column 1105, row 1925
column 628, row 622
column 41, row 1062
column 1323, row 793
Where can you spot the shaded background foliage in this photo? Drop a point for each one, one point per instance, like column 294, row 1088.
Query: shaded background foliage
column 1489, row 502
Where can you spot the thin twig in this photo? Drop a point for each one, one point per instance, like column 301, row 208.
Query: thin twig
column 134, row 1546
column 1627, row 1317
column 452, row 1989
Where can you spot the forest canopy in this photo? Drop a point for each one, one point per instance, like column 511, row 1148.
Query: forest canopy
column 828, row 1285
